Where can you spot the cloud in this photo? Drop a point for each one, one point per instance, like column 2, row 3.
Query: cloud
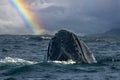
column 84, row 16
column 10, row 21
column 80, row 16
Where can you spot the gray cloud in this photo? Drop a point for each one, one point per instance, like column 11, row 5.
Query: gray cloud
column 10, row 21
column 81, row 16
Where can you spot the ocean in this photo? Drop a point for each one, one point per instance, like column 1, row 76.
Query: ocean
column 22, row 58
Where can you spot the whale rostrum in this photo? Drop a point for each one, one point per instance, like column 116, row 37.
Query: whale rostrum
column 66, row 45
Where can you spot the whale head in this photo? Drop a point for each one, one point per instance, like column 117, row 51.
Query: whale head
column 66, row 45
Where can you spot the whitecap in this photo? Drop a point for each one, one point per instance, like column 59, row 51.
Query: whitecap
column 16, row 60
column 64, row 62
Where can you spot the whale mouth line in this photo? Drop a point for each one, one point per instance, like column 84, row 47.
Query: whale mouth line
column 66, row 46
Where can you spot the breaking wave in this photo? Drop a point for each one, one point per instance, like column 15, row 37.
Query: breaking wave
column 16, row 60
column 64, row 62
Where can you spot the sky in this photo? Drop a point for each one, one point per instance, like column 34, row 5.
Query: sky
column 79, row 16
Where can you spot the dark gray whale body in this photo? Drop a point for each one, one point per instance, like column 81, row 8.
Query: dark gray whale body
column 66, row 45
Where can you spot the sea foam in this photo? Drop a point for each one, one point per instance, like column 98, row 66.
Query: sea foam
column 64, row 62
column 16, row 60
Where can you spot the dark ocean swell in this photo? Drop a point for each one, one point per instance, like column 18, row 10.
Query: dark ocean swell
column 22, row 58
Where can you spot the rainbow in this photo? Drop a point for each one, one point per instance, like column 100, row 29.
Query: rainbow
column 29, row 17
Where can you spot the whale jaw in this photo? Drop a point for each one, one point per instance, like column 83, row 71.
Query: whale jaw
column 66, row 45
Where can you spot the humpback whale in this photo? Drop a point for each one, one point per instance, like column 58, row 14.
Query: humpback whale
column 66, row 45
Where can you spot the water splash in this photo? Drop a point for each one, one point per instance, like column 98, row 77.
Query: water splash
column 64, row 62
column 16, row 60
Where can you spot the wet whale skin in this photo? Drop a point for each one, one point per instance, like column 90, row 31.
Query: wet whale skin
column 66, row 45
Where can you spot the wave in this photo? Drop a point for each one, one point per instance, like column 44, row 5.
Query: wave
column 64, row 62
column 35, row 38
column 22, row 62
column 16, row 60
column 11, row 66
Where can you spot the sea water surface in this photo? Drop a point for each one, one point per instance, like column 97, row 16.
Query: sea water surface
column 22, row 58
